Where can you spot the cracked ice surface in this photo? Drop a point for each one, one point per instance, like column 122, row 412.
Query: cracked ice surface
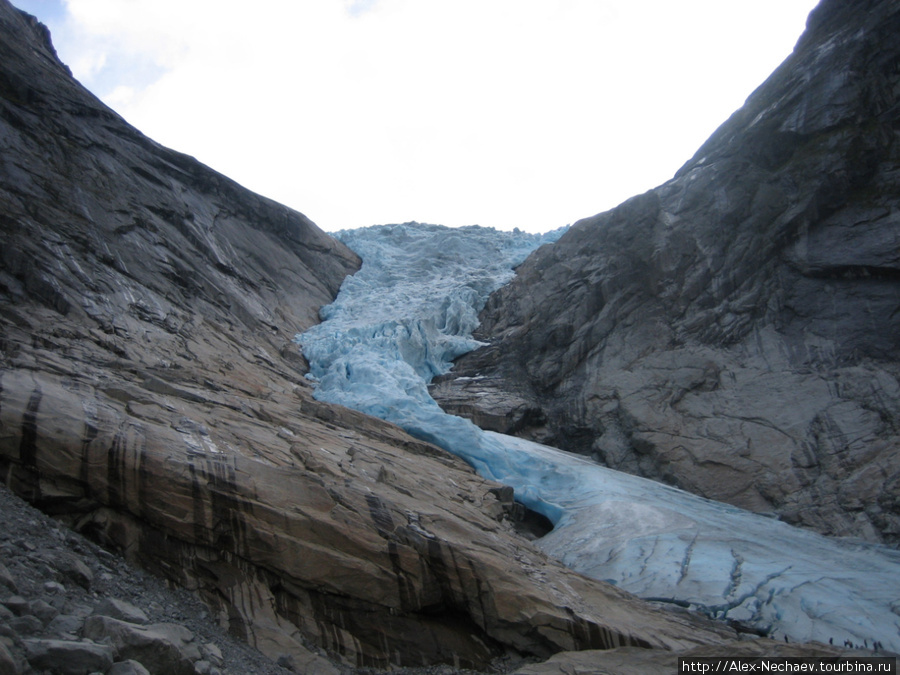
column 660, row 542
column 410, row 310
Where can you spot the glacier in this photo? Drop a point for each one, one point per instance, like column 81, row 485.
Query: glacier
column 411, row 309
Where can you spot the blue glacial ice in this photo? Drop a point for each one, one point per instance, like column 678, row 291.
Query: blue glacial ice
column 410, row 311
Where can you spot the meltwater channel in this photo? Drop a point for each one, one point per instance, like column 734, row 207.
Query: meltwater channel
column 411, row 309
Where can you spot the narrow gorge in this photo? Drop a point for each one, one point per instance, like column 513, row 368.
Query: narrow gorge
column 732, row 333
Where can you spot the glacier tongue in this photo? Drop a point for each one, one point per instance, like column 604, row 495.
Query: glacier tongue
column 407, row 313
column 410, row 311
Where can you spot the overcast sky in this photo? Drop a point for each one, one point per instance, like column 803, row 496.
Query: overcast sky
column 510, row 113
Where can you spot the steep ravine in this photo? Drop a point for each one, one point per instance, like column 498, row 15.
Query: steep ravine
column 410, row 308
column 151, row 398
column 734, row 332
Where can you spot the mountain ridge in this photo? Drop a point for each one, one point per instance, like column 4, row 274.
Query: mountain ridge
column 732, row 332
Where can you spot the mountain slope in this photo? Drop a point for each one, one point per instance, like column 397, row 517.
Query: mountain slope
column 150, row 396
column 409, row 310
column 733, row 332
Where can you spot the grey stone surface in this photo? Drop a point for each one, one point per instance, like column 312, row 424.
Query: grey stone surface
column 212, row 653
column 67, row 657
column 30, row 566
column 119, row 609
column 734, row 332
column 8, row 665
column 26, row 625
column 66, row 624
column 128, row 667
column 6, row 579
column 162, row 648
column 44, row 611
column 73, row 570
column 17, row 605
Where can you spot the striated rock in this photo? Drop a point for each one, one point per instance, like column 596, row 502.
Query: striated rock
column 733, row 332
column 48, row 543
column 151, row 397
column 415, row 559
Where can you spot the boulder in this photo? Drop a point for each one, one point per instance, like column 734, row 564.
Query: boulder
column 128, row 667
column 17, row 605
column 8, row 665
column 26, row 625
column 119, row 609
column 72, row 569
column 211, row 653
column 6, row 579
column 68, row 658
column 65, row 624
column 161, row 648
column 44, row 611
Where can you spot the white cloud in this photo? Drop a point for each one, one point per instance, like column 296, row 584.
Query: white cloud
column 528, row 113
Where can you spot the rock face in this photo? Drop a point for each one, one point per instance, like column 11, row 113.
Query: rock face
column 734, row 332
column 55, row 584
column 150, row 397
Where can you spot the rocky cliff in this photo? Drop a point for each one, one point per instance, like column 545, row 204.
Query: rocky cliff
column 151, row 397
column 735, row 331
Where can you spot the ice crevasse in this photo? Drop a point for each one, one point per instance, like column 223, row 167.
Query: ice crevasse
column 411, row 309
